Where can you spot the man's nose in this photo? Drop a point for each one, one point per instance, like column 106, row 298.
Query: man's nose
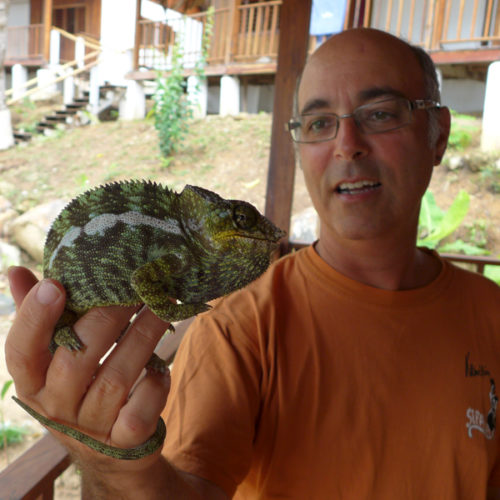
column 350, row 142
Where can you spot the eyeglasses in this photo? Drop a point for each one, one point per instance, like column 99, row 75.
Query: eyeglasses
column 373, row 118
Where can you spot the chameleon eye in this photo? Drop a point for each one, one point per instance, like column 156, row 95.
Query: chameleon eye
column 244, row 216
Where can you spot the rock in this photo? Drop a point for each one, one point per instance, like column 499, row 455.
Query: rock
column 7, row 305
column 305, row 226
column 9, row 256
column 6, row 219
column 456, row 163
column 30, row 229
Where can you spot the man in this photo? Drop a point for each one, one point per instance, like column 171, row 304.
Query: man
column 340, row 372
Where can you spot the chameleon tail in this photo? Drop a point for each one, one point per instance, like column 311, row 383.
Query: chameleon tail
column 147, row 448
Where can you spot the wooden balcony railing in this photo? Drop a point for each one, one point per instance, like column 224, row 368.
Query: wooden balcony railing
column 246, row 33
column 435, row 25
column 24, row 43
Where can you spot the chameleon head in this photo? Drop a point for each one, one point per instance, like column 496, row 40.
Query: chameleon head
column 230, row 225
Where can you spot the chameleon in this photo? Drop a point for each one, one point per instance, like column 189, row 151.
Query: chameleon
column 138, row 242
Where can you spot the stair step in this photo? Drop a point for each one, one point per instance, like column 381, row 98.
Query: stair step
column 76, row 105
column 82, row 100
column 55, row 118
column 22, row 136
column 66, row 112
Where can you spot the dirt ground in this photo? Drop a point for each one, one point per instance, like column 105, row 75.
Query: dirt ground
column 228, row 155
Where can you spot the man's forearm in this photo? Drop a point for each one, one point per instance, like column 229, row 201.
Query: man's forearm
column 158, row 481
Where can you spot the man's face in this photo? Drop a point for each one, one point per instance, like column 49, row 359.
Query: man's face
column 366, row 186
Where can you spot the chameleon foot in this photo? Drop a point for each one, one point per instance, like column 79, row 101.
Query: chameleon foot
column 66, row 336
column 156, row 364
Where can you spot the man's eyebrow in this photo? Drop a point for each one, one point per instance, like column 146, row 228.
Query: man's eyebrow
column 314, row 104
column 374, row 92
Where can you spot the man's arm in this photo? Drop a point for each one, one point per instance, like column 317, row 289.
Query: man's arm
column 78, row 390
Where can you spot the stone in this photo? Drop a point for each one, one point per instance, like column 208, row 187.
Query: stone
column 305, row 226
column 10, row 255
column 30, row 229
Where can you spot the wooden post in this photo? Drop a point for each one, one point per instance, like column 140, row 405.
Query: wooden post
column 137, row 41
column 293, row 41
column 47, row 26
column 232, row 30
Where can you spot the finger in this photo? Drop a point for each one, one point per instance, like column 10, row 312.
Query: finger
column 121, row 369
column 138, row 418
column 21, row 281
column 26, row 347
column 70, row 374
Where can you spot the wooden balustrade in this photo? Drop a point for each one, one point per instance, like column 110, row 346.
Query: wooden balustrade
column 443, row 24
column 24, row 43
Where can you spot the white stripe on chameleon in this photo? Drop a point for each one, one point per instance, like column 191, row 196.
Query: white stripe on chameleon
column 101, row 223
column 66, row 241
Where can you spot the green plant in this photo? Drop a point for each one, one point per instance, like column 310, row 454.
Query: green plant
column 9, row 434
column 463, row 129
column 171, row 109
column 435, row 224
column 493, row 273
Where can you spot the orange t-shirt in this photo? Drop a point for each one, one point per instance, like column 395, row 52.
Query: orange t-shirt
column 309, row 385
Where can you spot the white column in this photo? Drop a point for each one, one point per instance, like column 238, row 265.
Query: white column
column 490, row 138
column 19, row 77
column 198, row 95
column 45, row 78
column 68, row 90
column 134, row 105
column 6, row 137
column 94, row 90
column 55, row 48
column 80, row 52
column 229, row 95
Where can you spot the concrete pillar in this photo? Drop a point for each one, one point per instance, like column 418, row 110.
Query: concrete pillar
column 198, row 96
column 80, row 52
column 94, row 90
column 45, row 78
column 19, row 78
column 6, row 137
column 55, row 48
column 68, row 90
column 490, row 138
column 133, row 107
column 229, row 95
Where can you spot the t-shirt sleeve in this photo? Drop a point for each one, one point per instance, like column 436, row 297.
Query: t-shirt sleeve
column 214, row 402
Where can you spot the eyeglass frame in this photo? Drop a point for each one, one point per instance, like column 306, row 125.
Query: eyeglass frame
column 413, row 105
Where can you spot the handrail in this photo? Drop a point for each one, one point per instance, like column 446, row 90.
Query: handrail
column 59, row 69
column 74, row 38
column 56, row 80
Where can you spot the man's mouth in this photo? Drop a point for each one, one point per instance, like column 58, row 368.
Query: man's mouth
column 357, row 187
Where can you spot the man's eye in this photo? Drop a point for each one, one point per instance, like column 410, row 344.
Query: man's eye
column 379, row 115
column 319, row 124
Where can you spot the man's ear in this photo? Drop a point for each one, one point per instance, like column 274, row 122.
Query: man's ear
column 444, row 121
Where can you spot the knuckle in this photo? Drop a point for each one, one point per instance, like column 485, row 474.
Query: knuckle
column 111, row 384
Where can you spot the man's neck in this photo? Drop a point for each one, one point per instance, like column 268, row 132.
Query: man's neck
column 382, row 264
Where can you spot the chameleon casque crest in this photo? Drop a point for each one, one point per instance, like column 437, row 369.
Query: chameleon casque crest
column 137, row 242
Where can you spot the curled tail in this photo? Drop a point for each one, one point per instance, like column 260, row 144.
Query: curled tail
column 143, row 450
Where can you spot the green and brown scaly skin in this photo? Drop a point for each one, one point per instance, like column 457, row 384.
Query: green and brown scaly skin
column 137, row 242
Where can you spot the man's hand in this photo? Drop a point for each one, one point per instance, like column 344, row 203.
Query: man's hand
column 77, row 389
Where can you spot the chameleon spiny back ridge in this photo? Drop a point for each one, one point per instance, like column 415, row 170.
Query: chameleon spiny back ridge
column 137, row 242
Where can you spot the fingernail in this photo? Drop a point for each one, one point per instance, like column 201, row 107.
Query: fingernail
column 47, row 293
